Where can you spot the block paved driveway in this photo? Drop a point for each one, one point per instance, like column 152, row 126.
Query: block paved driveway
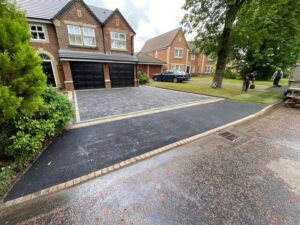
column 94, row 104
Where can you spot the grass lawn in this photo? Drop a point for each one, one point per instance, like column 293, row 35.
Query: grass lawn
column 258, row 96
column 233, row 81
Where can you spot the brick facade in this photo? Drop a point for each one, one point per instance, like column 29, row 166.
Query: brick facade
column 78, row 14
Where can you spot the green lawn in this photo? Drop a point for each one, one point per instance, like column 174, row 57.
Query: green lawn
column 233, row 81
column 259, row 96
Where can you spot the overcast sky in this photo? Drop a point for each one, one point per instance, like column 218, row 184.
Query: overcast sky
column 148, row 18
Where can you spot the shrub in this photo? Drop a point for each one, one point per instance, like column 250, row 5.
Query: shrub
column 143, row 78
column 22, row 137
column 229, row 74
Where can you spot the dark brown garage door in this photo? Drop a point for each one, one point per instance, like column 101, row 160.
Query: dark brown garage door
column 87, row 75
column 121, row 75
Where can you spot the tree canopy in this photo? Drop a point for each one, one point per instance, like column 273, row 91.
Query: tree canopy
column 21, row 78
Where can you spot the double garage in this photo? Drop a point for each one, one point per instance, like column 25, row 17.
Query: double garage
column 93, row 70
column 90, row 75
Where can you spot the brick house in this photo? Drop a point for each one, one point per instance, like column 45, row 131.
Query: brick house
column 82, row 46
column 178, row 54
column 149, row 65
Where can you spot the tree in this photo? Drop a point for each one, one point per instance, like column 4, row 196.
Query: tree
column 213, row 21
column 266, row 36
column 21, row 78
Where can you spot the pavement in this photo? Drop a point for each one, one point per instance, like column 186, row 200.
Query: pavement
column 81, row 151
column 252, row 180
column 100, row 103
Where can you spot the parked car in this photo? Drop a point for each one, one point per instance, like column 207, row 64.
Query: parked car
column 171, row 75
column 292, row 94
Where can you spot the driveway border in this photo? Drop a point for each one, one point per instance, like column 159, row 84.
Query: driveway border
column 131, row 161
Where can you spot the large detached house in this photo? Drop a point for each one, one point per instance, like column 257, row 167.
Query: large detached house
column 172, row 48
column 82, row 46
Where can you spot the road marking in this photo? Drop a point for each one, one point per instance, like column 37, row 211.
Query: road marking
column 97, row 121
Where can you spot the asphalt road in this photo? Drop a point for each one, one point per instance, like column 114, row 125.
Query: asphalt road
column 81, row 151
column 254, row 180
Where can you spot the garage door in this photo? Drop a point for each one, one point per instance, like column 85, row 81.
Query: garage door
column 87, row 75
column 121, row 75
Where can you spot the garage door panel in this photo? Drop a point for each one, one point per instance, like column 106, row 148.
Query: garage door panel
column 121, row 75
column 87, row 75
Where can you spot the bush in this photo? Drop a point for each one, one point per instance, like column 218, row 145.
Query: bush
column 229, row 74
column 22, row 137
column 143, row 78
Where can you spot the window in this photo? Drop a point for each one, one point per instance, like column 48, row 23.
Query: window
column 178, row 53
column 89, row 38
column 209, row 69
column 118, row 40
column 75, row 37
column 37, row 32
column 193, row 56
column 177, row 67
column 156, row 54
column 210, row 58
column 82, row 36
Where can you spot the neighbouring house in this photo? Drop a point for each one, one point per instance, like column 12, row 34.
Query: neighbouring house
column 82, row 46
column 201, row 65
column 148, row 64
column 178, row 54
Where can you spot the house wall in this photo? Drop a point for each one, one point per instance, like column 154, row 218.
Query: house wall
column 50, row 48
column 78, row 15
column 117, row 23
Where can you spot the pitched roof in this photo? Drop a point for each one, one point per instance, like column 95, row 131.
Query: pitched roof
column 160, row 41
column 146, row 59
column 42, row 9
column 101, row 13
column 48, row 9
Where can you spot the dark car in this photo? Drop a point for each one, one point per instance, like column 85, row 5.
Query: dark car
column 170, row 75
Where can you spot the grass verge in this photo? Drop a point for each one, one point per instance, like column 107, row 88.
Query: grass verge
column 258, row 96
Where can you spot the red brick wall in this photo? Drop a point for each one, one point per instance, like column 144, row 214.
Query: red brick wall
column 179, row 42
column 50, row 46
column 117, row 23
column 71, row 14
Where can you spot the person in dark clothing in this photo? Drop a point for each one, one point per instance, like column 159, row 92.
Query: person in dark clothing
column 247, row 78
column 277, row 77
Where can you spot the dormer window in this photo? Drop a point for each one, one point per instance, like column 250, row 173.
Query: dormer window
column 37, row 32
column 118, row 40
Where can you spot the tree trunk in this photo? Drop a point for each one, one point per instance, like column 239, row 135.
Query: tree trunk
column 224, row 45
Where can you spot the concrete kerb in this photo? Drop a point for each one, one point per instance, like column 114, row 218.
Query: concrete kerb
column 129, row 162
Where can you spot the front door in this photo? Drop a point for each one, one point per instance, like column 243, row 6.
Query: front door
column 188, row 68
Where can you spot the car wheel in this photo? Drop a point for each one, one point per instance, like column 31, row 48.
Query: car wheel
column 175, row 80
column 155, row 78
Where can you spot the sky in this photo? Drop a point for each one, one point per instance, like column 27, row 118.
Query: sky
column 148, row 18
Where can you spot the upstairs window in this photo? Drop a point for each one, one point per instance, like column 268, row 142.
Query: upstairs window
column 118, row 41
column 209, row 69
column 83, row 36
column 89, row 37
column 37, row 32
column 178, row 53
column 193, row 56
column 75, row 37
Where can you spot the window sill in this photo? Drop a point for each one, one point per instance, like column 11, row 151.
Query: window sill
column 39, row 40
column 121, row 50
column 178, row 57
column 82, row 46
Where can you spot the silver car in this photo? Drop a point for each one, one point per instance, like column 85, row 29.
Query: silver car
column 292, row 94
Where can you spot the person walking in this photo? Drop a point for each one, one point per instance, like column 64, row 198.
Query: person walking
column 247, row 78
column 277, row 77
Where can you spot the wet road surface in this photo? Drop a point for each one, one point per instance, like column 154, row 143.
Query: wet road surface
column 253, row 180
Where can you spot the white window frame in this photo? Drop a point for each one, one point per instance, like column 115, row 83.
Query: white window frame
column 177, row 67
column 36, row 31
column 176, row 51
column 193, row 56
column 83, row 35
column 209, row 58
column 118, row 39
column 209, row 69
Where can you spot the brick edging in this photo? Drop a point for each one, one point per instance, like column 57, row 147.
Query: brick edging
column 131, row 161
